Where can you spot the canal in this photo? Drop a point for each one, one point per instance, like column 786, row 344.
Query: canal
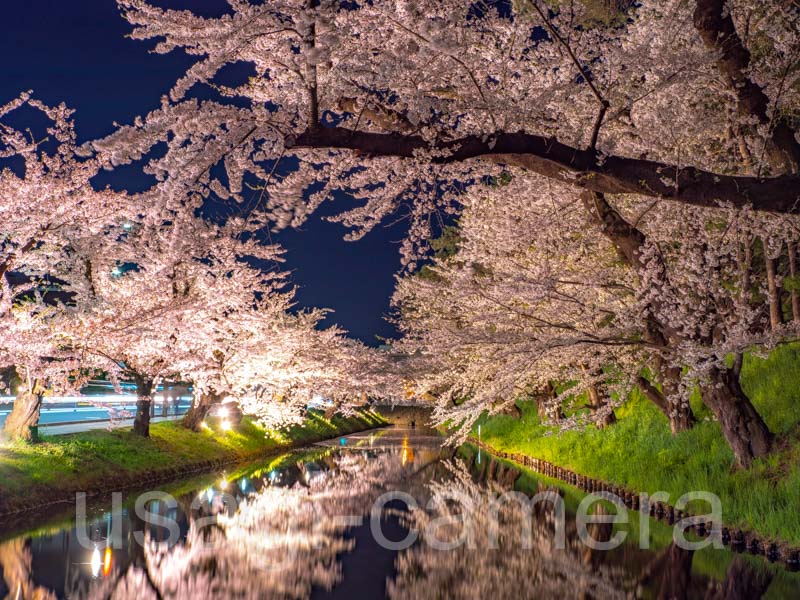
column 387, row 513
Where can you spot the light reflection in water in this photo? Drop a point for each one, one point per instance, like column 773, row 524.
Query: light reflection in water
column 107, row 561
column 406, row 453
column 96, row 562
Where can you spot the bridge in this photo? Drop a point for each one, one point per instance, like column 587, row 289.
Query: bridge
column 402, row 414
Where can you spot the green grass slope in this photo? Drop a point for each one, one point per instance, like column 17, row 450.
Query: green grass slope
column 640, row 453
column 91, row 460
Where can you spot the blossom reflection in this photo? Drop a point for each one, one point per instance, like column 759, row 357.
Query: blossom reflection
column 281, row 542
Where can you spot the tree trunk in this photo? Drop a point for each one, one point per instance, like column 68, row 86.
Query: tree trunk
column 598, row 398
column 775, row 310
column 512, row 410
column 680, row 415
column 144, row 401
column 24, row 414
column 793, row 274
column 743, row 428
column 746, row 268
column 714, row 22
column 546, row 401
column 197, row 413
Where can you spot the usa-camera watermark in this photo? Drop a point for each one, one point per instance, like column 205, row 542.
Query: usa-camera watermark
column 602, row 521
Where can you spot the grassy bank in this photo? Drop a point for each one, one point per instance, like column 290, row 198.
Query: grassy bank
column 640, row 453
column 95, row 461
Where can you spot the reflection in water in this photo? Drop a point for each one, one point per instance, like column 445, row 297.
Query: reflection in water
column 284, row 530
column 280, row 543
column 16, row 567
column 516, row 567
column 671, row 572
column 407, row 453
column 742, row 582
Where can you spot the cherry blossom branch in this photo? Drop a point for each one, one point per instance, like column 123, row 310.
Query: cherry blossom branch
column 582, row 168
column 604, row 104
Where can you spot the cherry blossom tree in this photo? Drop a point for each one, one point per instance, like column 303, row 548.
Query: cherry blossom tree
column 246, row 342
column 304, row 364
column 530, row 297
column 240, row 313
column 406, row 104
column 533, row 295
column 144, row 286
column 48, row 203
column 430, row 96
column 43, row 366
column 666, row 132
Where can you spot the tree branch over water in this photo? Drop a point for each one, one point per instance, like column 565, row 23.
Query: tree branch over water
column 586, row 169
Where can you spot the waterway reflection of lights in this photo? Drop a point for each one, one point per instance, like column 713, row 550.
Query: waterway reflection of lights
column 96, row 562
column 407, row 453
column 107, row 561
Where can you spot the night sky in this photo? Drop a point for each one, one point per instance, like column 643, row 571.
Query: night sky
column 76, row 52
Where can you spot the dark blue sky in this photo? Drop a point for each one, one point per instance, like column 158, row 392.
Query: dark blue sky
column 77, row 52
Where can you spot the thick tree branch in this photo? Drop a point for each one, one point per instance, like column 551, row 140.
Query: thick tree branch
column 713, row 21
column 626, row 238
column 582, row 168
column 654, row 395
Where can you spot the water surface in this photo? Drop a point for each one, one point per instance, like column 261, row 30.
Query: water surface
column 318, row 523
